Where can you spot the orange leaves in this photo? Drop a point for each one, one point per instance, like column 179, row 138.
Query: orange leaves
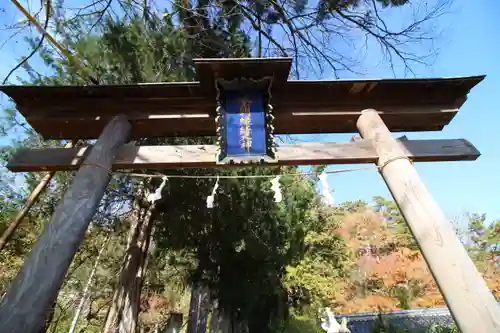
column 386, row 272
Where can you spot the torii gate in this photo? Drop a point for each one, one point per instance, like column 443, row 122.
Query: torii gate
column 117, row 113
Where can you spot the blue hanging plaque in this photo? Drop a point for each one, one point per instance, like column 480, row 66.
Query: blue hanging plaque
column 244, row 126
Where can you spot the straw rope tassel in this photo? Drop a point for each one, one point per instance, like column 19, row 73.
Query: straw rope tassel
column 211, row 198
column 326, row 191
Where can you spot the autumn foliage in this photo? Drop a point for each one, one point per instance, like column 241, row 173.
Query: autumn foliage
column 389, row 272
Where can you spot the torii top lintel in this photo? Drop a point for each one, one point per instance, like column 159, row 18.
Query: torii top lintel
column 188, row 108
column 208, row 70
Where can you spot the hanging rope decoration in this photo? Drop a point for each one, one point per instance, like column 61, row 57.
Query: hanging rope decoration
column 211, row 198
column 275, row 186
column 292, row 174
column 326, row 191
column 330, row 325
column 153, row 197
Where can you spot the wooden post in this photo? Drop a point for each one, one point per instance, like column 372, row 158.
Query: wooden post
column 471, row 303
column 34, row 289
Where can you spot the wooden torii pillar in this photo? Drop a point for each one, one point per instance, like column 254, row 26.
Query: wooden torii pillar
column 187, row 109
column 35, row 288
column 469, row 299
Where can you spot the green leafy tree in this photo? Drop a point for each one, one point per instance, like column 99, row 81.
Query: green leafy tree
column 318, row 276
column 483, row 241
column 390, row 211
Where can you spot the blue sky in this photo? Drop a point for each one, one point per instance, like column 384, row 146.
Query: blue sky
column 467, row 47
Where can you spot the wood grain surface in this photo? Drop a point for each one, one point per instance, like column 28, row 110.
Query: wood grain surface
column 164, row 157
column 471, row 303
column 34, row 289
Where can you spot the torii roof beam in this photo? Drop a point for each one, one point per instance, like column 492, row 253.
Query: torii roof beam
column 187, row 109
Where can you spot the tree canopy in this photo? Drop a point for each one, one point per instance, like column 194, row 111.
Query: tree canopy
column 326, row 37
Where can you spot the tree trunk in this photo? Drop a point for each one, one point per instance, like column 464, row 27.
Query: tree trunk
column 174, row 323
column 124, row 312
column 87, row 286
column 215, row 321
column 229, row 322
column 198, row 310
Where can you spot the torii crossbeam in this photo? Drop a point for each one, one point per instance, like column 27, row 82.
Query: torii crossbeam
column 247, row 102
